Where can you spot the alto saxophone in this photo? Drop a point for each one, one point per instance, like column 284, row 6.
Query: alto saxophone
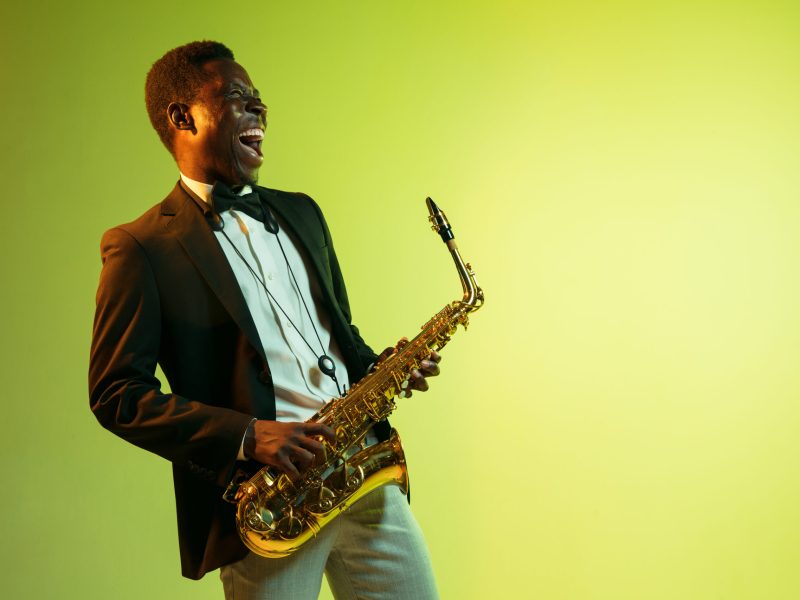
column 276, row 514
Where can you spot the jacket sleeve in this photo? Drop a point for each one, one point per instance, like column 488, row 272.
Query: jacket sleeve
column 124, row 393
column 365, row 353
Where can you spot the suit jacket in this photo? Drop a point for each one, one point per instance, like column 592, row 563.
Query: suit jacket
column 167, row 295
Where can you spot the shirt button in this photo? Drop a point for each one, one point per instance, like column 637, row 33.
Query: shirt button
column 269, row 276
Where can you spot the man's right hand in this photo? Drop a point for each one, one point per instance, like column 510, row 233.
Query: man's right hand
column 289, row 447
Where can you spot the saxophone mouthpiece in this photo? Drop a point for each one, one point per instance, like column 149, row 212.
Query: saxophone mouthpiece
column 439, row 221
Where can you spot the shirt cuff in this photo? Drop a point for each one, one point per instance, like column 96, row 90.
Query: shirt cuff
column 241, row 455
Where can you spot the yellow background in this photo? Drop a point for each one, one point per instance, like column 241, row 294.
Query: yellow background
column 621, row 420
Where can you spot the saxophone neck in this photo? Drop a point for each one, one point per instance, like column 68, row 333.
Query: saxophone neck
column 473, row 294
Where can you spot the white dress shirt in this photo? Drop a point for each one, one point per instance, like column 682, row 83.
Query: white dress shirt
column 301, row 389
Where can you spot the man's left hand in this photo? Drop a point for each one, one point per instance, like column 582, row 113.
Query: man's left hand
column 418, row 377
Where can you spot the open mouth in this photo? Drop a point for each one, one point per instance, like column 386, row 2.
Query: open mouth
column 251, row 140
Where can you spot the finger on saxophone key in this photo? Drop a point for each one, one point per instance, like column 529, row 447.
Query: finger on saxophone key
column 320, row 429
column 418, row 381
column 429, row 368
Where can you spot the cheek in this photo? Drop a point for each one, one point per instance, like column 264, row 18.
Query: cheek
column 204, row 120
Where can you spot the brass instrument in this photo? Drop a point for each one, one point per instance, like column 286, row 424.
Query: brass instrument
column 275, row 514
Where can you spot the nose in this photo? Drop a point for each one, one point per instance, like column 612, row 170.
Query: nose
column 257, row 107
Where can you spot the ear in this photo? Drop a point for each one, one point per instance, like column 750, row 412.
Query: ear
column 179, row 116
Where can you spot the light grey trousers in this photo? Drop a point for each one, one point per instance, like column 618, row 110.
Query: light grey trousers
column 373, row 551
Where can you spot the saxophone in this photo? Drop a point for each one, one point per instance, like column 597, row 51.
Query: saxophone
column 276, row 514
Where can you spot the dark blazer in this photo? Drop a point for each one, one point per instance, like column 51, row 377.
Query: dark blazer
column 167, row 295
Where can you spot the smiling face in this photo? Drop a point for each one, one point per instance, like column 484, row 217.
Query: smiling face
column 218, row 136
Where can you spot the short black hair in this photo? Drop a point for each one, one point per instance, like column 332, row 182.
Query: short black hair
column 177, row 77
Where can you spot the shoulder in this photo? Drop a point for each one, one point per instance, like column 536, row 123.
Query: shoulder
column 155, row 222
column 133, row 234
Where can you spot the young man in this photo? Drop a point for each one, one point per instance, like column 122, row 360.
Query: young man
column 235, row 290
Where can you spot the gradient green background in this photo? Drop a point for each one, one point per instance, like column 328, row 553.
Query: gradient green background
column 622, row 419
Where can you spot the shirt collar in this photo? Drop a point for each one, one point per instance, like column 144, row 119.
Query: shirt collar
column 203, row 190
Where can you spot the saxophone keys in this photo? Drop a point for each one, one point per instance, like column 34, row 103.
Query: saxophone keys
column 355, row 479
column 324, row 502
column 258, row 518
column 266, row 516
column 289, row 527
column 405, row 383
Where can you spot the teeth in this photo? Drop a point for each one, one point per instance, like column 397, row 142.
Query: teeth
column 256, row 133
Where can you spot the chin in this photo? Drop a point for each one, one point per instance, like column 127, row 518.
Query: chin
column 246, row 175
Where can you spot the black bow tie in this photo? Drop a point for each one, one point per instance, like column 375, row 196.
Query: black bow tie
column 225, row 198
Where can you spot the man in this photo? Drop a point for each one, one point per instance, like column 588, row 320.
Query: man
column 236, row 291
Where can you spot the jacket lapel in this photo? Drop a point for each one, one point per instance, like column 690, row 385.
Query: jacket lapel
column 287, row 210
column 190, row 225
